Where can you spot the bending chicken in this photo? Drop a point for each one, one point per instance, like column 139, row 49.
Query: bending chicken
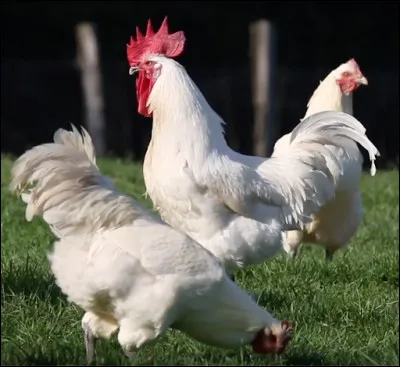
column 236, row 206
column 126, row 268
column 338, row 220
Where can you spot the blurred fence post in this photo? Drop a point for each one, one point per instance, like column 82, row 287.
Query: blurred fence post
column 88, row 61
column 263, row 62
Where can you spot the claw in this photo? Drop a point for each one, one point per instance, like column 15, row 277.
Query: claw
column 287, row 327
column 90, row 342
column 284, row 337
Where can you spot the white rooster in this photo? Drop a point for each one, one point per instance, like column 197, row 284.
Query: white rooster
column 338, row 220
column 125, row 267
column 236, row 206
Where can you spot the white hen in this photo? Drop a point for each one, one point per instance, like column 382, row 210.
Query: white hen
column 236, row 206
column 125, row 267
column 338, row 220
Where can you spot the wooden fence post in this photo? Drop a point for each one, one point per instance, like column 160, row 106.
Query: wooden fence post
column 88, row 61
column 263, row 62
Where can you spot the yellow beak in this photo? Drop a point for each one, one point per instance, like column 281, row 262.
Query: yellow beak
column 363, row 80
column 133, row 70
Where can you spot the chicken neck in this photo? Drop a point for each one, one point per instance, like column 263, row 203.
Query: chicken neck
column 329, row 97
column 178, row 105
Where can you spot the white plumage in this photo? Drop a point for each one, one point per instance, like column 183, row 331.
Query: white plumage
column 128, row 270
column 236, row 206
column 338, row 220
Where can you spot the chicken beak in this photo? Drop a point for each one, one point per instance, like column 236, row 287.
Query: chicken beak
column 363, row 80
column 133, row 70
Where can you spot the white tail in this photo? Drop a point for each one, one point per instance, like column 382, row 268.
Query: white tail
column 334, row 128
column 311, row 184
column 68, row 189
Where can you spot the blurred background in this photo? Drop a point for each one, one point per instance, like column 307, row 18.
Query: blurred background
column 41, row 70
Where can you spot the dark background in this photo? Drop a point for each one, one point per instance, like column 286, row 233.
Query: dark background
column 40, row 81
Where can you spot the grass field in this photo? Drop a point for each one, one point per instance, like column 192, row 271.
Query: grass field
column 345, row 313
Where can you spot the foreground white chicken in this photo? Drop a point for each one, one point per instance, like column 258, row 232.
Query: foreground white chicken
column 236, row 206
column 338, row 220
column 125, row 267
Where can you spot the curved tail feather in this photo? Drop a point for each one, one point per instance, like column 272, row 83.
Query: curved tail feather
column 61, row 182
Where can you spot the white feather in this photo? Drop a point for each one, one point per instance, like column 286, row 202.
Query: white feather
column 338, row 220
column 125, row 267
column 236, row 206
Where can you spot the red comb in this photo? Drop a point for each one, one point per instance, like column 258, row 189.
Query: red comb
column 160, row 42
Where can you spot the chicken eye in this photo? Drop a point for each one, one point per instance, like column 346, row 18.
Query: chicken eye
column 346, row 74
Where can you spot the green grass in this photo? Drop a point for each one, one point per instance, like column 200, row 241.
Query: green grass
column 346, row 312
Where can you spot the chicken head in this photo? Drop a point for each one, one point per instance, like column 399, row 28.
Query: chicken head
column 140, row 51
column 274, row 340
column 349, row 77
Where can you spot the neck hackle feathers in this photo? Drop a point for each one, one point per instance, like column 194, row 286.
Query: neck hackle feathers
column 157, row 43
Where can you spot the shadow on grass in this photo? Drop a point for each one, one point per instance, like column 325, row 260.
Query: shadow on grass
column 29, row 281
column 309, row 359
column 37, row 360
column 40, row 358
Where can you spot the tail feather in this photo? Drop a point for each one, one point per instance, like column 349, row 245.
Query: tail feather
column 334, row 128
column 61, row 182
column 304, row 167
column 82, row 142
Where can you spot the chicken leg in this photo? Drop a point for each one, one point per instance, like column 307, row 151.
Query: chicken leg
column 90, row 343
column 293, row 254
column 329, row 255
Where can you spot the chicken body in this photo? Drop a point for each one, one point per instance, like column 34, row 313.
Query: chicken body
column 128, row 270
column 338, row 220
column 234, row 239
column 236, row 206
